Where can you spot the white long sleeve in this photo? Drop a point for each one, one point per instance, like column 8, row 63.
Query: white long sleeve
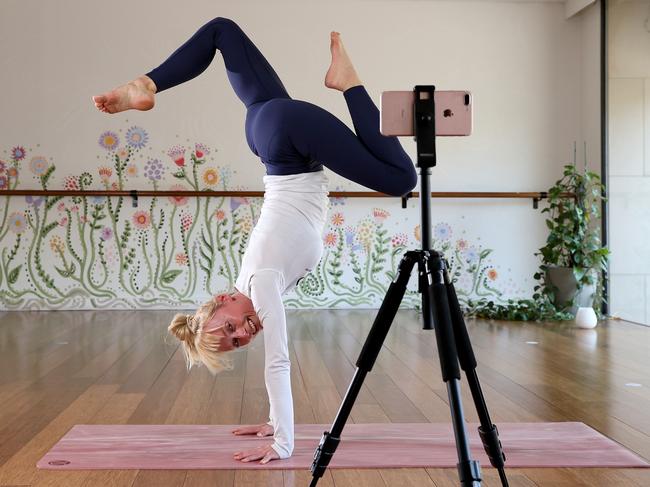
column 266, row 293
column 284, row 246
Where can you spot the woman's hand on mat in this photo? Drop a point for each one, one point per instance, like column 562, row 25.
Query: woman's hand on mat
column 265, row 453
column 258, row 429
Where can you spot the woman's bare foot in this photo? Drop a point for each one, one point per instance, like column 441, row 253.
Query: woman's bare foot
column 138, row 95
column 341, row 74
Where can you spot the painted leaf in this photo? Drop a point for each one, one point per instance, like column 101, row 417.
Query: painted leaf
column 13, row 275
column 170, row 275
column 65, row 272
column 48, row 228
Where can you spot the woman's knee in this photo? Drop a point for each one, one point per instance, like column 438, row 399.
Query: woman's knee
column 225, row 25
column 403, row 183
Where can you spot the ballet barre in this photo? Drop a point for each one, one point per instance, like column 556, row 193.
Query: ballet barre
column 535, row 196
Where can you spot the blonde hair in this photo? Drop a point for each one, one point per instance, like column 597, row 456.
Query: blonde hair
column 198, row 347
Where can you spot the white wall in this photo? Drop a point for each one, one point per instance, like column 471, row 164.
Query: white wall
column 532, row 73
column 629, row 158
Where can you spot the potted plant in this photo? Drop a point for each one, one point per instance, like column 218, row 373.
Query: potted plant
column 573, row 257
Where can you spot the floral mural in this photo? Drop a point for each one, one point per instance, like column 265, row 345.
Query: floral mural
column 93, row 252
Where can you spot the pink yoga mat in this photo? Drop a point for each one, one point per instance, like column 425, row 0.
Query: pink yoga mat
column 383, row 445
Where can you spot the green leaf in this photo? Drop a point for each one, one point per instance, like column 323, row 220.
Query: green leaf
column 13, row 275
column 485, row 253
column 170, row 275
column 51, row 201
column 48, row 228
column 65, row 272
column 46, row 177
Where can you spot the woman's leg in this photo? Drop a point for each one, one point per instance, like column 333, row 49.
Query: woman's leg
column 250, row 74
column 367, row 158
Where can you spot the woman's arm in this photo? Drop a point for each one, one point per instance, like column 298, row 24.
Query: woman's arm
column 266, row 294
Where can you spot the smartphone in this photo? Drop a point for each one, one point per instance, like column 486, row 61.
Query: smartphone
column 453, row 112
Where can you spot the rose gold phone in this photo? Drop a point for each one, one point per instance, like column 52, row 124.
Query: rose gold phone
column 453, row 113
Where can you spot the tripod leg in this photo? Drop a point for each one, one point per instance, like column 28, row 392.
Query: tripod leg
column 423, row 284
column 488, row 431
column 469, row 470
column 383, row 321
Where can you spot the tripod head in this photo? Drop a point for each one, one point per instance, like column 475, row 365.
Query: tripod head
column 424, row 125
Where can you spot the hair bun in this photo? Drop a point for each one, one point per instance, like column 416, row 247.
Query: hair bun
column 181, row 327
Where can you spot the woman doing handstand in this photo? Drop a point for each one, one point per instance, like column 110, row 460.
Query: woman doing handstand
column 294, row 139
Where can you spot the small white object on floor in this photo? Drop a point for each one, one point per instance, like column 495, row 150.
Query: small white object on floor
column 586, row 318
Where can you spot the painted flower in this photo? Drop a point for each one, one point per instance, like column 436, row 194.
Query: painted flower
column 4, row 182
column 74, row 208
column 109, row 140
column 3, row 166
column 380, row 215
column 105, row 173
column 56, row 244
column 330, row 239
column 200, row 151
column 471, row 255
column 178, row 200
column 17, row 222
column 114, row 186
column 141, row 219
column 71, row 183
column 123, row 154
column 186, row 221
column 442, row 231
column 399, row 239
column 365, row 231
column 177, row 153
column 18, row 153
column 154, row 170
column 97, row 200
column 34, row 201
column 247, row 224
column 237, row 201
column 136, row 137
column 338, row 219
column 492, row 274
column 132, row 170
column 220, row 215
column 38, row 165
column 349, row 235
column 181, row 258
column 461, row 244
column 110, row 255
column 63, row 221
column 61, row 206
column 106, row 234
column 12, row 172
column 210, row 177
column 417, row 234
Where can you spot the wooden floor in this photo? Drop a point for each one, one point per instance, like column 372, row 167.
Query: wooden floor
column 63, row 368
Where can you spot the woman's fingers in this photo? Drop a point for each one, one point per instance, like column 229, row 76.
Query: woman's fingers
column 266, row 453
column 272, row 455
column 260, row 430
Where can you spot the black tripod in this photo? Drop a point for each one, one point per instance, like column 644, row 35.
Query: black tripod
column 439, row 306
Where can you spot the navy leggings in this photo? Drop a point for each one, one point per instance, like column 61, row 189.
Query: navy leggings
column 293, row 136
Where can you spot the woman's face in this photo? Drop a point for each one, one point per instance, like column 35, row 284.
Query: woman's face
column 234, row 322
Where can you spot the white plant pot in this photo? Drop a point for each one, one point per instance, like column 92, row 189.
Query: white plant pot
column 586, row 318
